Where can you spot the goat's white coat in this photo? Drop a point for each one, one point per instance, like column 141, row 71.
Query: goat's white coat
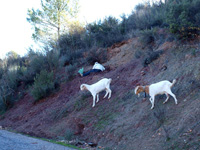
column 162, row 87
column 96, row 88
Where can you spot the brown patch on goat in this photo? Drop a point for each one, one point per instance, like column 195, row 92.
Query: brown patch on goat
column 139, row 90
column 142, row 89
column 146, row 89
column 83, row 87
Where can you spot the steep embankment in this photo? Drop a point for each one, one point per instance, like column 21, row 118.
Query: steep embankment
column 125, row 121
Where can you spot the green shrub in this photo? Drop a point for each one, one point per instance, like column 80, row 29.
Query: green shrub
column 71, row 42
column 73, row 57
column 11, row 76
column 152, row 56
column 43, row 85
column 183, row 18
column 147, row 37
column 37, row 63
column 70, row 70
column 138, row 53
column 69, row 135
column 52, row 57
column 105, row 33
column 6, row 94
column 96, row 55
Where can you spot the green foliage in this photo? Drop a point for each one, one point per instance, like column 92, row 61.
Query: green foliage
column 183, row 18
column 43, row 85
column 147, row 37
column 146, row 16
column 70, row 70
column 38, row 61
column 71, row 42
column 102, row 34
column 96, row 54
column 5, row 94
column 52, row 58
column 11, row 68
column 106, row 32
column 8, row 84
column 69, row 135
column 12, row 58
column 151, row 57
column 51, row 19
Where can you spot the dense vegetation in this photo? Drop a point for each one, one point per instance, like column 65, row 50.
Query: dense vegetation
column 85, row 45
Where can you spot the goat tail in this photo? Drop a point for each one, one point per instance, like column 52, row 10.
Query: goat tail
column 173, row 82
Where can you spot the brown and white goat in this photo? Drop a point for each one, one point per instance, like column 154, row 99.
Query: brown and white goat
column 162, row 87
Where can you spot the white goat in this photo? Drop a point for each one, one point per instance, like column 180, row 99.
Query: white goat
column 162, row 87
column 103, row 84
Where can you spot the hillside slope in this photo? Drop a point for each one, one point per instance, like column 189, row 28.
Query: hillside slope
column 125, row 121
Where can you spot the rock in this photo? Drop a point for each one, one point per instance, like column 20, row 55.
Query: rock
column 92, row 144
column 142, row 73
column 163, row 68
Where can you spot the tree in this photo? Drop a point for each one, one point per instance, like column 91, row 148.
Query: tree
column 12, row 58
column 12, row 55
column 53, row 18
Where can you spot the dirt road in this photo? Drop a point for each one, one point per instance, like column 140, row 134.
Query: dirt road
column 15, row 141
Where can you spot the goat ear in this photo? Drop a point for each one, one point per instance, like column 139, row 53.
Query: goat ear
column 84, row 88
column 136, row 88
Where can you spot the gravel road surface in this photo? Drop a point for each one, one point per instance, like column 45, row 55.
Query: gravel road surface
column 15, row 141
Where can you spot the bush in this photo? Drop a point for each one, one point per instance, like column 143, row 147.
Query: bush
column 12, row 72
column 183, row 18
column 147, row 37
column 69, row 135
column 43, row 85
column 105, row 33
column 73, row 57
column 6, row 94
column 52, row 58
column 70, row 71
column 96, row 55
column 37, row 62
column 152, row 56
column 72, row 41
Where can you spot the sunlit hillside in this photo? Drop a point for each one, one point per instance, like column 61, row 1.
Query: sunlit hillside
column 41, row 96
